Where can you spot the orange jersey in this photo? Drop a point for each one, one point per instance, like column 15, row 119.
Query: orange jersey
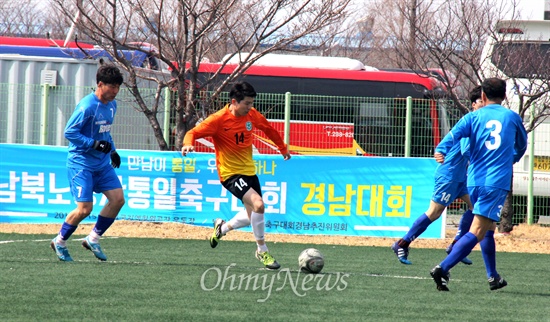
column 232, row 138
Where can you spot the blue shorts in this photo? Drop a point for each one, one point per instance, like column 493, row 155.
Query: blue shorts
column 488, row 201
column 445, row 191
column 84, row 182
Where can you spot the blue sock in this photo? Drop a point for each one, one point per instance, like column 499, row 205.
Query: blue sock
column 102, row 224
column 489, row 252
column 461, row 249
column 66, row 231
column 464, row 224
column 418, row 227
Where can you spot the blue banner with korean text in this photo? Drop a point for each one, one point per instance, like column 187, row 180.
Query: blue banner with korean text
column 313, row 195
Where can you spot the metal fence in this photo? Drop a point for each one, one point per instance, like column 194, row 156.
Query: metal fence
column 37, row 114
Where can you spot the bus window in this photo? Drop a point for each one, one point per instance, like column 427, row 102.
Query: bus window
column 523, row 59
column 374, row 127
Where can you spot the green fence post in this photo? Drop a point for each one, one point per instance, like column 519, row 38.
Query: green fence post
column 530, row 205
column 44, row 114
column 408, row 126
column 287, row 118
column 167, row 104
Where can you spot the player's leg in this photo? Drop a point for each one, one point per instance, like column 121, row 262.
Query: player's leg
column 461, row 249
column 488, row 250
column 488, row 246
column 238, row 186
column 442, row 197
column 401, row 247
column 464, row 246
column 221, row 227
column 241, row 219
column 81, row 184
column 108, row 183
column 254, row 203
column 464, row 224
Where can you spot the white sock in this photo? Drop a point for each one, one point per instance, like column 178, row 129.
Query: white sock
column 60, row 241
column 262, row 248
column 93, row 237
column 258, row 227
column 238, row 221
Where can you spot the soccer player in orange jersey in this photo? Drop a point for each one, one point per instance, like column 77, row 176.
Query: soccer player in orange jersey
column 231, row 129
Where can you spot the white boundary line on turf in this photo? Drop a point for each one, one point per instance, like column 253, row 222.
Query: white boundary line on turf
column 384, row 228
column 45, row 240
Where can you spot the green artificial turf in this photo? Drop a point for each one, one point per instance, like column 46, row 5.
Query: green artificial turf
column 149, row 279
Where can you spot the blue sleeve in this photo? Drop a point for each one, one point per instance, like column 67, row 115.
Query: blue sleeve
column 73, row 129
column 465, row 147
column 460, row 130
column 520, row 144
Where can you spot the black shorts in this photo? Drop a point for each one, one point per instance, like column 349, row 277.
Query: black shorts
column 239, row 184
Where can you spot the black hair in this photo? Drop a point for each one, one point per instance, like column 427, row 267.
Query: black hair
column 475, row 94
column 109, row 74
column 494, row 88
column 241, row 90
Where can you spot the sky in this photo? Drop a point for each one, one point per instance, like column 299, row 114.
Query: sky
column 529, row 9
column 532, row 9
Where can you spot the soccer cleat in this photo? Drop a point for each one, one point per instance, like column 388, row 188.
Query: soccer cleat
column 496, row 283
column 61, row 252
column 401, row 253
column 94, row 248
column 268, row 260
column 465, row 260
column 441, row 279
column 217, row 234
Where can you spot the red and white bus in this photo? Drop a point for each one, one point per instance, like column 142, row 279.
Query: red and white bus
column 42, row 42
column 370, row 104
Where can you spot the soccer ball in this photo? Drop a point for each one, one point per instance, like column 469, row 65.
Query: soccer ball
column 311, row 261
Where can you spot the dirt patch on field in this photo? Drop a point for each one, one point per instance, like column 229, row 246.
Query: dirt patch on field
column 524, row 238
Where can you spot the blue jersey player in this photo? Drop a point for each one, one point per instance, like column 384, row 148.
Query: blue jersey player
column 450, row 184
column 497, row 140
column 91, row 161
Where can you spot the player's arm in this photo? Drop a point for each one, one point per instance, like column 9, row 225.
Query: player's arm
column 520, row 144
column 206, row 128
column 465, row 148
column 460, row 130
column 263, row 124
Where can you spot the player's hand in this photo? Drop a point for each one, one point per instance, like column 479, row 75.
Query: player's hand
column 115, row 159
column 187, row 149
column 286, row 156
column 102, row 146
column 440, row 158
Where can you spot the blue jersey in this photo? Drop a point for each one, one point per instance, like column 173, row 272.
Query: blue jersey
column 455, row 166
column 91, row 121
column 497, row 140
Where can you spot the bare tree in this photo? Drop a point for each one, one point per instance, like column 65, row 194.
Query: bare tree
column 449, row 37
column 21, row 18
column 526, row 64
column 186, row 32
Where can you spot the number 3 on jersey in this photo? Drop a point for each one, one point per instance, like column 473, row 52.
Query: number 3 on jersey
column 496, row 128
